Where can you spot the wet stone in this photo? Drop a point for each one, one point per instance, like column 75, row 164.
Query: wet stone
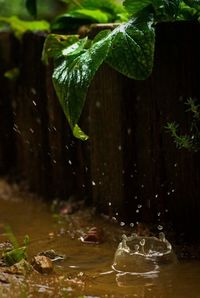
column 42, row 264
column 52, row 255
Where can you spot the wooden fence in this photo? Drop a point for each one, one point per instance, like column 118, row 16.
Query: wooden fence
column 130, row 167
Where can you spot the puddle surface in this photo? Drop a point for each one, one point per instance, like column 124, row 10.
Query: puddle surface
column 87, row 268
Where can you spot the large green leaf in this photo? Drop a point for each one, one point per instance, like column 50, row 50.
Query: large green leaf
column 72, row 77
column 95, row 15
column 132, row 49
column 54, row 44
column 135, row 6
column 163, row 9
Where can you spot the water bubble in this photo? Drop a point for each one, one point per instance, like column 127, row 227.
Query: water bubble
column 139, row 206
column 93, row 183
column 131, row 224
column 122, row 223
column 160, row 228
column 109, row 204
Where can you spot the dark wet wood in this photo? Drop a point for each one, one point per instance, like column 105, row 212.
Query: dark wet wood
column 130, row 166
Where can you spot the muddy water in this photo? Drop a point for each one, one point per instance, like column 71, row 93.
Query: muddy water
column 86, row 269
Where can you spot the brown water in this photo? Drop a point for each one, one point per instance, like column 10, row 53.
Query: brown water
column 86, row 270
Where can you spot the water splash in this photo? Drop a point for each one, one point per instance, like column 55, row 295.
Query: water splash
column 143, row 255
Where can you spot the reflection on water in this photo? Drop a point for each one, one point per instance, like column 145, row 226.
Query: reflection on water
column 87, row 268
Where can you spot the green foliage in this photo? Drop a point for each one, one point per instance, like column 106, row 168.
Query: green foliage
column 190, row 141
column 31, row 6
column 17, row 253
column 90, row 11
column 12, row 74
column 19, row 27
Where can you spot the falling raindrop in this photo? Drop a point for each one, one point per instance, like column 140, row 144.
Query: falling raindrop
column 129, row 131
column 54, row 161
column 159, row 213
column 156, row 196
column 139, row 206
column 160, row 228
column 109, row 204
column 119, row 147
column 173, row 190
column 98, row 104
column 34, row 103
column 175, row 165
column 137, row 210
column 93, row 183
column 69, row 162
column 168, row 193
column 31, row 130
column 122, row 223
column 131, row 224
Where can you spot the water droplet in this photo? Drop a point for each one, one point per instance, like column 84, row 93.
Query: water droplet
column 156, row 196
column 137, row 210
column 142, row 242
column 98, row 104
column 109, row 204
column 173, row 190
column 102, row 173
column 69, row 162
column 93, row 183
column 54, row 161
column 34, row 103
column 135, row 197
column 139, row 206
column 168, row 193
column 131, row 224
column 175, row 165
column 129, row 131
column 160, row 228
column 31, row 130
column 142, row 185
column 159, row 213
column 131, row 176
column 122, row 223
column 166, row 210
column 33, row 91
column 119, row 147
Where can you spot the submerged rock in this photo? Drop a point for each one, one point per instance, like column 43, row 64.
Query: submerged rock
column 42, row 264
column 52, row 255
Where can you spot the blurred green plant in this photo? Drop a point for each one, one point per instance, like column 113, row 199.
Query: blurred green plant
column 190, row 141
column 17, row 253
